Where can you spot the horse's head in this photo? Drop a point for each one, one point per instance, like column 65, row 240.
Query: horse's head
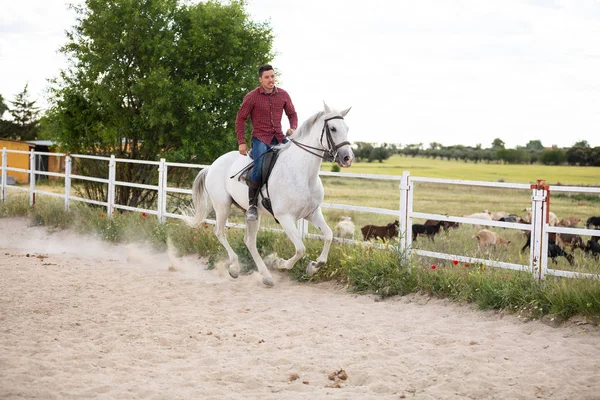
column 335, row 131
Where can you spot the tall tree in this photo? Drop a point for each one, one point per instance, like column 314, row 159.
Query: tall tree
column 25, row 117
column 3, row 106
column 582, row 143
column 534, row 145
column 497, row 144
column 153, row 78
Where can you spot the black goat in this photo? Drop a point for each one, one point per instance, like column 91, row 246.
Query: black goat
column 429, row 230
column 555, row 251
column 593, row 248
column 593, row 221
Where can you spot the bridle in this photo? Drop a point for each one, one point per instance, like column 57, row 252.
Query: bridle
column 331, row 152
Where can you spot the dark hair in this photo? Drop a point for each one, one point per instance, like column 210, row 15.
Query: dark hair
column 263, row 68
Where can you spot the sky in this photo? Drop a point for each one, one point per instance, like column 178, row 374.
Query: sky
column 420, row 71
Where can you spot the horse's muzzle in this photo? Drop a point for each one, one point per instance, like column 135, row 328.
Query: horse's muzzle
column 345, row 156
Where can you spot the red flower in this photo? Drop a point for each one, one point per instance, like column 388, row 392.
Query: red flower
column 455, row 262
column 112, row 212
column 102, row 215
column 144, row 214
column 466, row 265
column 433, row 267
column 195, row 238
column 206, row 225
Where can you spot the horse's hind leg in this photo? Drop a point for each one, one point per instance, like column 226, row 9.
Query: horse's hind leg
column 317, row 219
column 222, row 213
column 250, row 241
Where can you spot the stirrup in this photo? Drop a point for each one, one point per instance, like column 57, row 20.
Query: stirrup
column 252, row 214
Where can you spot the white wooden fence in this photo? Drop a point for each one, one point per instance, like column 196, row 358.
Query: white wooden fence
column 539, row 228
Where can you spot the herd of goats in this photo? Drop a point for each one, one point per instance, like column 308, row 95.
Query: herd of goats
column 557, row 242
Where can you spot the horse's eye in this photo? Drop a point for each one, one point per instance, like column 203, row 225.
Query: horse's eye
column 333, row 129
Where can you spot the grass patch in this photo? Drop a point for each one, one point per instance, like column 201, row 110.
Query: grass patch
column 363, row 269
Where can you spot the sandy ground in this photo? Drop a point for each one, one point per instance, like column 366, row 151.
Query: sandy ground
column 80, row 319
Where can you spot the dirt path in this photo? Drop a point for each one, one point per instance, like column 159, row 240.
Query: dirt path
column 83, row 319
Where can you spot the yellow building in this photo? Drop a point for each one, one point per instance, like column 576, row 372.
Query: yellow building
column 42, row 162
column 17, row 160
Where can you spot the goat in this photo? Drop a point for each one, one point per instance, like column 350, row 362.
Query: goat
column 482, row 215
column 428, row 230
column 496, row 215
column 345, row 228
column 382, row 232
column 488, row 238
column 593, row 248
column 551, row 239
column 565, row 239
column 555, row 251
column 447, row 224
column 552, row 218
column 571, row 221
column 592, row 221
column 511, row 218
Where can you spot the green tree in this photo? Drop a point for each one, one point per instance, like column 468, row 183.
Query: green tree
column 582, row 143
column 153, row 78
column 497, row 144
column 534, row 145
column 25, row 117
column 553, row 157
column 3, row 106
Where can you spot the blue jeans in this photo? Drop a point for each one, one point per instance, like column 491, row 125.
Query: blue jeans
column 258, row 149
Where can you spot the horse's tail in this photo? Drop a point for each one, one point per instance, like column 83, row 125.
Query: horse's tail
column 202, row 204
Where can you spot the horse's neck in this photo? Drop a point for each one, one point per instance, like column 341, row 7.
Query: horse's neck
column 309, row 164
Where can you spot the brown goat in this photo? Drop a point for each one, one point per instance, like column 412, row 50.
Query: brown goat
column 382, row 232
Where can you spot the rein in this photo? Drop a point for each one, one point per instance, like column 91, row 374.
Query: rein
column 330, row 153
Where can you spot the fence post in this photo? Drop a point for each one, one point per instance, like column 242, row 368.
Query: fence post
column 68, row 183
column 112, row 167
column 538, row 244
column 302, row 227
column 32, row 178
column 161, row 191
column 3, row 177
column 405, row 210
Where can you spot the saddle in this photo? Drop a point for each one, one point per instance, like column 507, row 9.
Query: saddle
column 269, row 159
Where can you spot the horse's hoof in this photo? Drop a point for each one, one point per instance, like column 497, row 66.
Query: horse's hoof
column 312, row 268
column 268, row 282
column 233, row 272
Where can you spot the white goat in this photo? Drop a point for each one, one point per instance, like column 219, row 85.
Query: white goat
column 345, row 228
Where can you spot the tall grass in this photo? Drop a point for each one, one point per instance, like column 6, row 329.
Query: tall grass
column 362, row 269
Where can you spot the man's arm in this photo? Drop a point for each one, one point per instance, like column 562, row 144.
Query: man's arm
column 290, row 111
column 240, row 123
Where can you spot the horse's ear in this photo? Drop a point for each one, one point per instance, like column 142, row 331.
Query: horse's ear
column 345, row 111
column 327, row 110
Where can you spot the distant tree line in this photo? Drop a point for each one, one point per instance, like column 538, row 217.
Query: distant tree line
column 581, row 153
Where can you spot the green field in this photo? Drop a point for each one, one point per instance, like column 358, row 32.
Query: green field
column 426, row 167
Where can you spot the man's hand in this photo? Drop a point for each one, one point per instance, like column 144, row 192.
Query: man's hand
column 290, row 132
column 243, row 149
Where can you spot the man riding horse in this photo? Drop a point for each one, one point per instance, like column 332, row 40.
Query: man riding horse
column 264, row 105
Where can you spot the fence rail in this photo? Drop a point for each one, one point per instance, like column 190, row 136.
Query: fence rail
column 539, row 228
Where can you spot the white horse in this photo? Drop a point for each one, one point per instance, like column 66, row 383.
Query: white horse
column 295, row 189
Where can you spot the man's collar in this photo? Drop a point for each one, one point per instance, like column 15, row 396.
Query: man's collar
column 262, row 90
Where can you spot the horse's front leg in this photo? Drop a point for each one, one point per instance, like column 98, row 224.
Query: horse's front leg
column 317, row 219
column 250, row 241
column 288, row 223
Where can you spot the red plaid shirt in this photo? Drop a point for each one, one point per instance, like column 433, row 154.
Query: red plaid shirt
column 265, row 111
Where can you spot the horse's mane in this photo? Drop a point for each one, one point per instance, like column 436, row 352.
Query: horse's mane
column 307, row 125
